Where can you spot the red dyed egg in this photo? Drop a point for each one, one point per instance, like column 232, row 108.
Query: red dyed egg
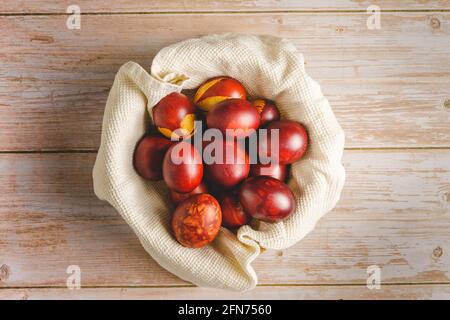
column 148, row 156
column 177, row 197
column 267, row 109
column 216, row 90
column 233, row 215
column 174, row 115
column 230, row 163
column 182, row 167
column 266, row 198
column 234, row 117
column 277, row 171
column 292, row 141
column 197, row 220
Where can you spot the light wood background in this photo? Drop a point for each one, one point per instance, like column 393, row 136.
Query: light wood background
column 389, row 88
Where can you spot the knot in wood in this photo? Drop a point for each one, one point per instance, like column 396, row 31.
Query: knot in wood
column 4, row 272
column 435, row 23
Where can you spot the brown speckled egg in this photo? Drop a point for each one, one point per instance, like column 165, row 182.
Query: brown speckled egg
column 197, row 220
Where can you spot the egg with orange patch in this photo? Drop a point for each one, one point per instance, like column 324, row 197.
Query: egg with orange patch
column 216, row 90
column 174, row 116
column 197, row 220
column 267, row 109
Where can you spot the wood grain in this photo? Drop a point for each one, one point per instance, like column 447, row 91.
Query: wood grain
column 42, row 6
column 400, row 292
column 388, row 87
column 394, row 213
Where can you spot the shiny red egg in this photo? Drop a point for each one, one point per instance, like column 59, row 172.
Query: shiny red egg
column 266, row 198
column 233, row 214
column 228, row 165
column 177, row 197
column 216, row 90
column 291, row 144
column 148, row 156
column 197, row 220
column 277, row 171
column 267, row 109
column 234, row 117
column 182, row 167
column 174, row 116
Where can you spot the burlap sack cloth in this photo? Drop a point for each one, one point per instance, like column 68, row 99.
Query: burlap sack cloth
column 268, row 67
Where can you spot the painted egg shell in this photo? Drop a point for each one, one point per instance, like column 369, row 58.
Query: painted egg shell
column 233, row 214
column 267, row 109
column 231, row 164
column 148, row 156
column 234, row 117
column 174, row 116
column 216, row 90
column 197, row 220
column 277, row 171
column 266, row 198
column 182, row 167
column 292, row 141
column 177, row 197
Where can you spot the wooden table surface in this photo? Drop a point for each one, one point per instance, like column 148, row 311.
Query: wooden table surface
column 389, row 88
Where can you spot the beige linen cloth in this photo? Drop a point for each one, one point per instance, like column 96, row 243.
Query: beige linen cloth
column 268, row 67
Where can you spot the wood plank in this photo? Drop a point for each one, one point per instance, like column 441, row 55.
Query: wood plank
column 391, row 292
column 48, row 6
column 394, row 213
column 387, row 87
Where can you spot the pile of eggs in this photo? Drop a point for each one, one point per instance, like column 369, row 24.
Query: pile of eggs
column 220, row 182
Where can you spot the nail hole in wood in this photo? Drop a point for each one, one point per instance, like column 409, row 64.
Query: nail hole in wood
column 435, row 23
column 447, row 104
column 437, row 252
column 447, row 196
